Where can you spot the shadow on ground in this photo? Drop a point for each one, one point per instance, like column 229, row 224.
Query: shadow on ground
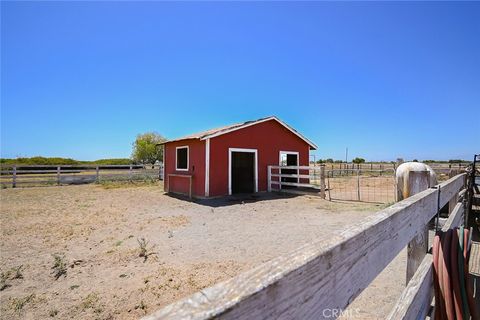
column 236, row 199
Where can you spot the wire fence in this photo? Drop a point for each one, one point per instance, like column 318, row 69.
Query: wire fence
column 376, row 186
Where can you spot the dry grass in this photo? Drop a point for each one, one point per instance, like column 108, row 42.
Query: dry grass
column 59, row 267
column 190, row 246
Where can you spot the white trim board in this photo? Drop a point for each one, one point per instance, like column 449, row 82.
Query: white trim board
column 207, row 167
column 188, row 158
column 288, row 152
column 255, row 151
column 313, row 145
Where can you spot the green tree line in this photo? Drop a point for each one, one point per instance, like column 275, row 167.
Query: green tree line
column 65, row 161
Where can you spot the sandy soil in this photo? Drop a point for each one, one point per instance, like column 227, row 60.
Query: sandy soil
column 190, row 245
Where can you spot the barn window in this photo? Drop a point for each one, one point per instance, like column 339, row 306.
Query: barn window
column 182, row 158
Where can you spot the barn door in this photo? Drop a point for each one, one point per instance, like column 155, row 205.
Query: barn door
column 243, row 172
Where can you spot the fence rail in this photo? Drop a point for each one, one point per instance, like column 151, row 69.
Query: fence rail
column 364, row 185
column 325, row 275
column 437, row 167
column 35, row 175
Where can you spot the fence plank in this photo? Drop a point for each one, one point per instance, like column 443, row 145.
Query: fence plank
column 285, row 175
column 320, row 275
column 269, row 178
column 295, row 184
column 14, row 179
column 417, row 296
column 296, row 167
column 415, row 300
column 455, row 218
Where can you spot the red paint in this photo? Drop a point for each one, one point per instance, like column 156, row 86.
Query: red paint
column 196, row 167
column 269, row 138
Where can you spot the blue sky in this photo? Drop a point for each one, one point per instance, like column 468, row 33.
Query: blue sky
column 384, row 79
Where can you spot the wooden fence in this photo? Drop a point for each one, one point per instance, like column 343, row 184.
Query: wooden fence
column 329, row 275
column 280, row 178
column 35, row 175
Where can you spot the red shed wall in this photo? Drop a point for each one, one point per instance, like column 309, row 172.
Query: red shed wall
column 269, row 138
column 196, row 167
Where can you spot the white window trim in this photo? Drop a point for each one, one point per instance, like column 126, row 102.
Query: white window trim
column 289, row 152
column 188, row 158
column 255, row 151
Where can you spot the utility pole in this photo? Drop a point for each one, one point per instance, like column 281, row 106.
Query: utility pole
column 346, row 155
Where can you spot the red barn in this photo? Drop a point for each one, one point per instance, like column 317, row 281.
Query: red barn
column 232, row 159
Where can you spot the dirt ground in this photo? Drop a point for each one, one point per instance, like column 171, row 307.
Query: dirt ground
column 95, row 233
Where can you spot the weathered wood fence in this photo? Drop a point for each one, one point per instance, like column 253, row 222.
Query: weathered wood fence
column 33, row 175
column 323, row 276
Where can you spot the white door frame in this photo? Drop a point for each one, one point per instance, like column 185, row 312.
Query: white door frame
column 255, row 177
column 289, row 152
column 207, row 168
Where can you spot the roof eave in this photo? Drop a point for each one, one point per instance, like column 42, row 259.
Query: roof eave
column 312, row 145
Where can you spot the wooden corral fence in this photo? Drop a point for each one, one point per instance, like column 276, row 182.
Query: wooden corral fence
column 322, row 278
column 34, row 175
column 296, row 179
column 346, row 184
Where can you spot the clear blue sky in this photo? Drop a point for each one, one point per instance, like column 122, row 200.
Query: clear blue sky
column 81, row 80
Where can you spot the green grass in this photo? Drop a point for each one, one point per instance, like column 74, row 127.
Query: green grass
column 59, row 266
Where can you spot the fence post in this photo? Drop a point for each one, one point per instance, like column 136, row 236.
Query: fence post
column 14, row 177
column 97, row 174
column 130, row 173
column 322, row 181
column 269, row 178
column 417, row 247
column 58, row 175
column 358, row 184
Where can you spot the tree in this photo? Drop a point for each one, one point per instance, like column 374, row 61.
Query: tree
column 145, row 149
column 329, row 160
column 358, row 160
